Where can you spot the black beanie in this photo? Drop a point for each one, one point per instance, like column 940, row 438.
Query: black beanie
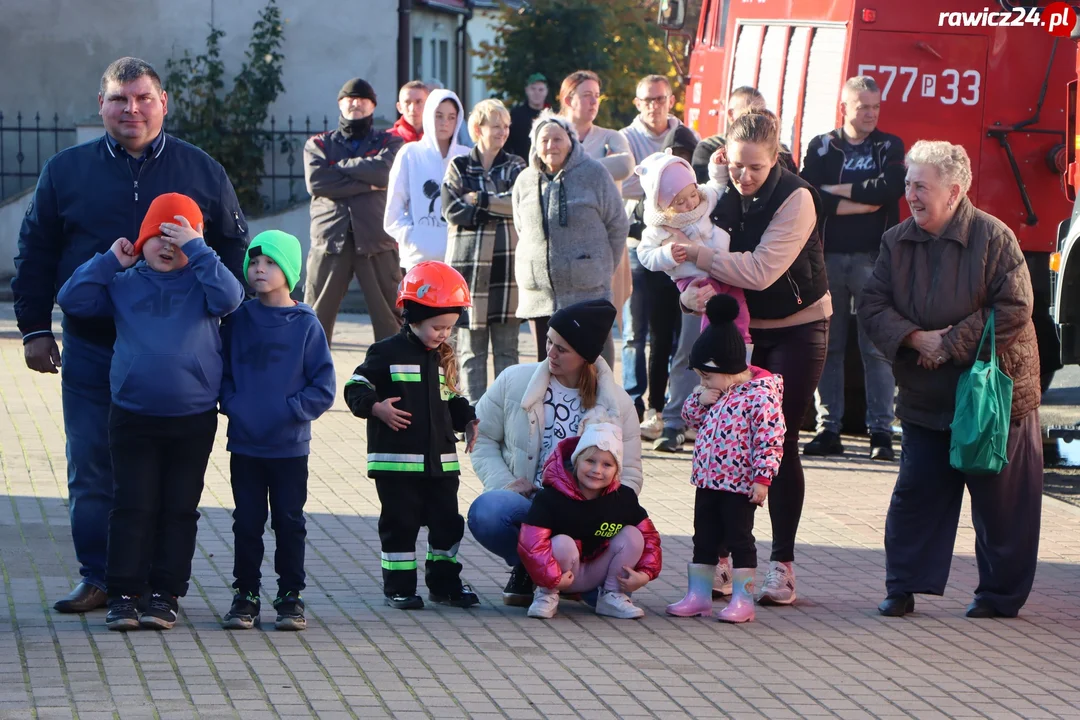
column 357, row 87
column 415, row 312
column 585, row 326
column 720, row 348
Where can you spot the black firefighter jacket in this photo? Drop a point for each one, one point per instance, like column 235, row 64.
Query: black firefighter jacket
column 401, row 366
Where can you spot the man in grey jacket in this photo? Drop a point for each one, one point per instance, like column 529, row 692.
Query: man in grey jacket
column 347, row 171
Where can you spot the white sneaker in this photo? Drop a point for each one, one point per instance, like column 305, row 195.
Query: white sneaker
column 722, row 578
column 617, row 605
column 545, row 603
column 779, row 586
column 652, row 425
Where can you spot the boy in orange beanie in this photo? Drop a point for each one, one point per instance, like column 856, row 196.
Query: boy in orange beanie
column 164, row 381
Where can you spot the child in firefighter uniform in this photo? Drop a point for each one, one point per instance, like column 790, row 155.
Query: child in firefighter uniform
column 407, row 391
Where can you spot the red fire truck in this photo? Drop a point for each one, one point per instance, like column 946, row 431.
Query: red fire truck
column 982, row 73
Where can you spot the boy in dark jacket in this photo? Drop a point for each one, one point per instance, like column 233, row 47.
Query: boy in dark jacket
column 407, row 391
column 164, row 382
column 278, row 377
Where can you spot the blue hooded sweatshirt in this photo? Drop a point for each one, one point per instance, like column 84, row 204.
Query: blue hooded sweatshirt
column 279, row 376
column 167, row 357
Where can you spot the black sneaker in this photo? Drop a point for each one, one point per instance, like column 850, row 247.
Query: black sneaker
column 405, row 602
column 519, row 588
column 123, row 613
column 462, row 597
column 670, row 441
column 826, row 443
column 160, row 613
column 881, row 447
column 244, row 613
column 290, row 612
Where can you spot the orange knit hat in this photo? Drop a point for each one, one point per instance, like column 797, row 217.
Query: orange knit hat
column 164, row 209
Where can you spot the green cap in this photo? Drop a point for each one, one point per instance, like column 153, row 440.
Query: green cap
column 282, row 248
column 535, row 78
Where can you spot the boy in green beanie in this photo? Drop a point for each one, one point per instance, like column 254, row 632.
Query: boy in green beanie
column 278, row 377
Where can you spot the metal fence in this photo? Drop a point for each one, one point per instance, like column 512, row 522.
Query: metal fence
column 21, row 151
column 26, row 145
column 283, row 176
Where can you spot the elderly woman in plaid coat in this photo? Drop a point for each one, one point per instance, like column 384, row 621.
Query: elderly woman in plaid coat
column 480, row 245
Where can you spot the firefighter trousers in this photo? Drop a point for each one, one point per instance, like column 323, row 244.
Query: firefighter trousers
column 406, row 506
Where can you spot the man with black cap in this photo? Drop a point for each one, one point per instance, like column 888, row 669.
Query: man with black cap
column 347, row 171
column 522, row 116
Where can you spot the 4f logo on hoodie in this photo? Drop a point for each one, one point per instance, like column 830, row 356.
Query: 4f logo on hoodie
column 259, row 356
column 160, row 302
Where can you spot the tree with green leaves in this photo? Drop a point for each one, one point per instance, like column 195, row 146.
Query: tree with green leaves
column 617, row 39
column 229, row 125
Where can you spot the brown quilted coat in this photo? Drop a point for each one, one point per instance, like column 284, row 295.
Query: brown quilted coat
column 922, row 283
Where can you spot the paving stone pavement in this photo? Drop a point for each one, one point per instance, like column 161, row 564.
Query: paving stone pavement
column 830, row 655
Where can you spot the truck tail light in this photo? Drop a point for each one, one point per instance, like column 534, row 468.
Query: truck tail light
column 869, row 15
column 1055, row 262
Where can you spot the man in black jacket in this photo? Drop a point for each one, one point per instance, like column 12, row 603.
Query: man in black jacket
column 523, row 115
column 859, row 172
column 88, row 196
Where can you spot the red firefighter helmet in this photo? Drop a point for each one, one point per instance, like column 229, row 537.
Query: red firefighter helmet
column 436, row 285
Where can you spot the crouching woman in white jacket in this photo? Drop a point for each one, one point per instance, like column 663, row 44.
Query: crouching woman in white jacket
column 524, row 415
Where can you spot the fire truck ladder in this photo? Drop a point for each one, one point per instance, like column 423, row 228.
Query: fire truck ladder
column 1001, row 134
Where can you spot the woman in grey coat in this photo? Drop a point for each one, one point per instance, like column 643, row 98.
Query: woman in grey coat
column 571, row 228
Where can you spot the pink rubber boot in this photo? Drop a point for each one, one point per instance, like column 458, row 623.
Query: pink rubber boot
column 698, row 600
column 741, row 607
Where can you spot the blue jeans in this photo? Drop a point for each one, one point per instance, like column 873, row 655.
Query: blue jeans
column 495, row 521
column 682, row 380
column 635, row 334
column 848, row 273
column 85, row 394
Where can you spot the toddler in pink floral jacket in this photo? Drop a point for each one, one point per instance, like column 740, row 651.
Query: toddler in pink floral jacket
column 737, row 413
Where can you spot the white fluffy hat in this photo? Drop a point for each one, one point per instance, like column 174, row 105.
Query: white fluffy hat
column 601, row 430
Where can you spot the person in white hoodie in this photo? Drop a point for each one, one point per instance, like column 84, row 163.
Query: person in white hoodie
column 414, row 205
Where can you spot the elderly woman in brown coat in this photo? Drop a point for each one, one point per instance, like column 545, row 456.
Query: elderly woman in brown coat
column 937, row 277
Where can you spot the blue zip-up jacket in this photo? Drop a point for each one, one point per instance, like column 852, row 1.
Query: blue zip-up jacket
column 88, row 196
column 279, row 376
column 167, row 357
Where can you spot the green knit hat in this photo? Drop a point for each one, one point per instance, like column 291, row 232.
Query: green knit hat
column 282, row 248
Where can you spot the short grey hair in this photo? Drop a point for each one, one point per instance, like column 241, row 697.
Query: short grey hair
column 861, row 84
column 126, row 69
column 951, row 161
column 648, row 80
column 484, row 112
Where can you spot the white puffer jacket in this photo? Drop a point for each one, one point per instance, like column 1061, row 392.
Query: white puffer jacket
column 511, row 415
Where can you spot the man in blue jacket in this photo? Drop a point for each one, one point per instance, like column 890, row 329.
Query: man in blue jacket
column 88, row 196
column 859, row 173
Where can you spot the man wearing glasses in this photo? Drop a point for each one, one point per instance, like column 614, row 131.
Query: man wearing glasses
column 647, row 135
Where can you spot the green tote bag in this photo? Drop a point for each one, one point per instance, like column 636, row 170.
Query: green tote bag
column 980, row 426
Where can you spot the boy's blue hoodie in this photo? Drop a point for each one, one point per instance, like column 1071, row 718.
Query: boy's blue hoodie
column 167, row 357
column 279, row 376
